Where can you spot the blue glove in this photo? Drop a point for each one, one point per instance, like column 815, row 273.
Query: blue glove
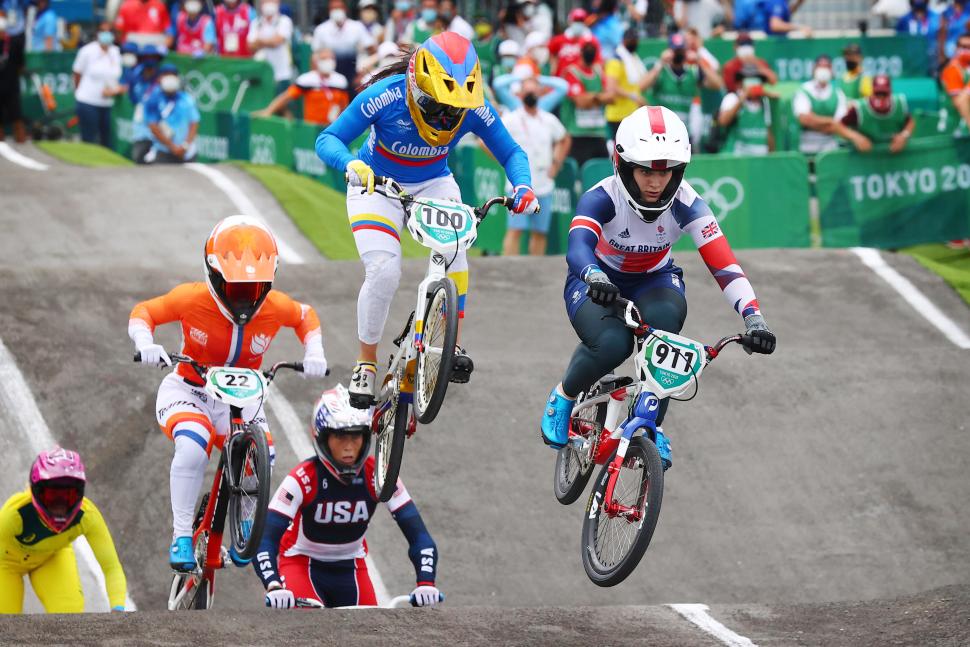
column 524, row 200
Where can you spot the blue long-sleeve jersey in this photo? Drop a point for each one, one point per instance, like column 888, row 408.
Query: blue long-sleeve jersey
column 394, row 147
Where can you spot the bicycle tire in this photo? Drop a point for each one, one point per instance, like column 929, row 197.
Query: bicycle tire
column 201, row 597
column 569, row 488
column 389, row 439
column 442, row 295
column 602, row 574
column 251, row 444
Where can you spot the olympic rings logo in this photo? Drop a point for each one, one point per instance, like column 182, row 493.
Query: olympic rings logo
column 208, row 90
column 723, row 196
column 262, row 149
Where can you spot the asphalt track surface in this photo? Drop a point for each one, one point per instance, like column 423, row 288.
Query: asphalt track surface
column 830, row 474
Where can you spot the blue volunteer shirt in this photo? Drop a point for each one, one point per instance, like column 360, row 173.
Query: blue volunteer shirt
column 394, row 147
column 139, row 90
column 176, row 112
column 45, row 26
column 775, row 9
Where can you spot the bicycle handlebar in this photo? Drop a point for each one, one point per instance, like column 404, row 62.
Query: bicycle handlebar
column 201, row 369
column 310, row 603
column 393, row 189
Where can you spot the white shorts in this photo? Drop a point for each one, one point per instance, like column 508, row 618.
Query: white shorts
column 378, row 221
column 180, row 402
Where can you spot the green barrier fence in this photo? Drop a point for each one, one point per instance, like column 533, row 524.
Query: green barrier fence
column 891, row 201
column 759, row 201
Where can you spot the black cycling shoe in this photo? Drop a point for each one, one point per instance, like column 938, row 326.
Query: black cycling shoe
column 461, row 367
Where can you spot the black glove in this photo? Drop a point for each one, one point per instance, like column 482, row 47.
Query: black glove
column 601, row 291
column 760, row 339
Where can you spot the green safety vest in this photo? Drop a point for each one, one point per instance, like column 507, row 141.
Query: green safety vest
column 419, row 35
column 750, row 127
column 824, row 107
column 881, row 128
column 584, row 122
column 677, row 92
column 852, row 88
column 487, row 56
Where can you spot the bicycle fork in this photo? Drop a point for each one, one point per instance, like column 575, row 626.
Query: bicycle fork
column 644, row 417
column 436, row 272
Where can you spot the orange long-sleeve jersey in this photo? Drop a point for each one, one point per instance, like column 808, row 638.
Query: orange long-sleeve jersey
column 209, row 338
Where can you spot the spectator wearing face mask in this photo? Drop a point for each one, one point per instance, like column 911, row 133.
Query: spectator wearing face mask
column 269, row 39
column 583, row 112
column 819, row 106
column 453, row 22
column 323, row 90
column 854, row 83
column 565, row 48
column 10, row 66
column 955, row 80
column 44, row 32
column 233, row 19
column 922, row 21
column 129, row 60
column 370, row 18
column 546, row 142
column 516, row 20
column 172, row 118
column 708, row 17
column 776, row 18
column 508, row 55
column 347, row 38
column 746, row 116
column 144, row 80
column 744, row 55
column 402, row 15
column 676, row 81
column 426, row 25
column 386, row 55
column 882, row 118
column 624, row 73
column 535, row 59
column 485, row 46
column 953, row 23
column 142, row 17
column 551, row 90
column 97, row 75
column 193, row 32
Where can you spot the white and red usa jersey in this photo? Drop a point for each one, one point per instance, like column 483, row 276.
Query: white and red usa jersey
column 607, row 234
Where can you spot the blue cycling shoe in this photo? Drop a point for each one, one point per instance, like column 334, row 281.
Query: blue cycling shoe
column 663, row 448
column 247, row 527
column 555, row 420
column 181, row 556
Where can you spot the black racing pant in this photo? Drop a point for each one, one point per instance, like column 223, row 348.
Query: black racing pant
column 607, row 342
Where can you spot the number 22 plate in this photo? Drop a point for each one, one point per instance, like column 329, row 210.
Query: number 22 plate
column 234, row 385
column 671, row 362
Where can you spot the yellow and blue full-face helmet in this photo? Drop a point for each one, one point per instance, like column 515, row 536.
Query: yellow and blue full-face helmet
column 444, row 81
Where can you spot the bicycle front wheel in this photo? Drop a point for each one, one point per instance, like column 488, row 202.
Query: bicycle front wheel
column 248, row 500
column 195, row 590
column 574, row 463
column 616, row 533
column 391, row 431
column 434, row 360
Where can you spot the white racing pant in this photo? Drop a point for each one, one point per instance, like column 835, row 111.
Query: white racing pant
column 189, row 416
column 378, row 224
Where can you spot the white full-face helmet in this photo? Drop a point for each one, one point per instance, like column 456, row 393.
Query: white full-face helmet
column 652, row 137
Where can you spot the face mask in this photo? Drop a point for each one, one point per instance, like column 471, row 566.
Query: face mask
column 822, row 74
column 881, row 103
column 446, row 16
column 429, row 15
column 3, row 24
column 269, row 10
column 541, row 55
column 230, row 3
column 530, row 100
column 963, row 55
column 402, row 6
column 589, row 55
column 679, row 57
column 326, row 65
column 106, row 37
column 575, row 30
column 368, row 16
column 129, row 60
column 746, row 51
column 193, row 7
column 170, row 84
column 338, row 15
column 508, row 62
column 529, row 10
column 852, row 66
column 631, row 46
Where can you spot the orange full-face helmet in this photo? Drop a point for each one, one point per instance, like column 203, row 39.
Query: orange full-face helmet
column 241, row 258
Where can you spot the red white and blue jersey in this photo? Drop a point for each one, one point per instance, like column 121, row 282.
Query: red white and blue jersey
column 607, row 234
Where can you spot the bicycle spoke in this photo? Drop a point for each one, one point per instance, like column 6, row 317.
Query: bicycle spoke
column 615, row 535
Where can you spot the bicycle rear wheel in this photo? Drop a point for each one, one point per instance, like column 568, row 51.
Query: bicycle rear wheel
column 434, row 361
column 616, row 533
column 390, row 431
column 194, row 591
column 574, row 465
column 248, row 500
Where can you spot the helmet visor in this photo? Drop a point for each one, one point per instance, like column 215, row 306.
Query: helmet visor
column 59, row 499
column 440, row 116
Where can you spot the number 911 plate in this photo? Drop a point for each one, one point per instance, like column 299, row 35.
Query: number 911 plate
column 670, row 362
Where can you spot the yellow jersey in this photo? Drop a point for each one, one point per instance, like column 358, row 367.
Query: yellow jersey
column 26, row 543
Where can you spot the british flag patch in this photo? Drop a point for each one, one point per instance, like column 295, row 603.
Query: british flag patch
column 710, row 231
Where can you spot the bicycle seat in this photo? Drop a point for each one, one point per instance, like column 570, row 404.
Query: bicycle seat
column 612, row 382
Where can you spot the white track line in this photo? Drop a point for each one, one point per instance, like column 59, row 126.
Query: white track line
column 17, row 158
column 243, row 204
column 913, row 296
column 299, row 440
column 697, row 614
column 15, row 396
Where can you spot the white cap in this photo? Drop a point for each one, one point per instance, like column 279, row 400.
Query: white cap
column 508, row 48
column 366, row 3
column 535, row 39
column 387, row 49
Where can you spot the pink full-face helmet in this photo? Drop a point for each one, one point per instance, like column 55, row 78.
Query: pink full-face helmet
column 57, row 487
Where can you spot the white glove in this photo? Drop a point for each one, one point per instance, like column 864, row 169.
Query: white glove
column 426, row 596
column 154, row 354
column 279, row 598
column 315, row 366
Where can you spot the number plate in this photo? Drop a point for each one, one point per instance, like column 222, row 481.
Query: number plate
column 235, row 385
column 670, row 362
column 444, row 222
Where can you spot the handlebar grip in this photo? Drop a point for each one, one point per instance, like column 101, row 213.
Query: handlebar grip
column 138, row 356
column 414, row 602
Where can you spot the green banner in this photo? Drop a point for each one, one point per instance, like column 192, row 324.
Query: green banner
column 213, row 141
column 271, row 141
column 759, row 201
column 792, row 59
column 220, row 84
column 53, row 70
column 921, row 195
